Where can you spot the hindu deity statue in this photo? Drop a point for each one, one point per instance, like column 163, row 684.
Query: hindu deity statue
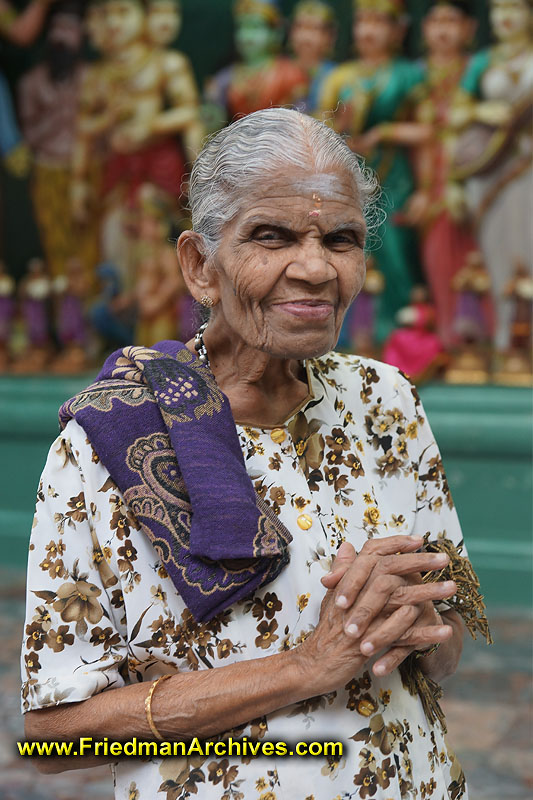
column 415, row 347
column 360, row 98
column 516, row 368
column 159, row 283
column 494, row 152
column 70, row 292
column 141, row 107
column 263, row 77
column 48, row 104
column 437, row 207
column 312, row 38
column 472, row 322
column 34, row 293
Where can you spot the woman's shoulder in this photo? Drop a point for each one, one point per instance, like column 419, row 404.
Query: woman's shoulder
column 370, row 381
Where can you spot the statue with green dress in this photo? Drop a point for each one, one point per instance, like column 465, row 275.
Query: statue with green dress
column 360, row 99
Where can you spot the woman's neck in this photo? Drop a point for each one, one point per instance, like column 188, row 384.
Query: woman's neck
column 262, row 390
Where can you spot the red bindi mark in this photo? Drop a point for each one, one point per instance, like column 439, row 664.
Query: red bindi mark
column 318, row 201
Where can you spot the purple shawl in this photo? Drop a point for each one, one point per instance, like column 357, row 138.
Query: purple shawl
column 165, row 432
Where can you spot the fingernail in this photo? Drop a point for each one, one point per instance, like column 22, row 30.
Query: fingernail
column 367, row 648
column 341, row 601
column 380, row 669
column 448, row 586
column 440, row 558
column 352, row 629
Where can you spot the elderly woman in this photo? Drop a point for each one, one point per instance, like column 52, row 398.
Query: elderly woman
column 183, row 580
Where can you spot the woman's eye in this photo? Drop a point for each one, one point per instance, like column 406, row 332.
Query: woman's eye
column 345, row 239
column 269, row 235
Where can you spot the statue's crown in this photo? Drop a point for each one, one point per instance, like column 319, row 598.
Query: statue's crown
column 269, row 9
column 394, row 8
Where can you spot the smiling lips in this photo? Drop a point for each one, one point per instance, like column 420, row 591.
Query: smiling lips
column 307, row 309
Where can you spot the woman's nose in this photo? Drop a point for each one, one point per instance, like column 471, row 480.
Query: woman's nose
column 312, row 264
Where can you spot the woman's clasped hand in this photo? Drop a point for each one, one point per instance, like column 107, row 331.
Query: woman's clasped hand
column 376, row 601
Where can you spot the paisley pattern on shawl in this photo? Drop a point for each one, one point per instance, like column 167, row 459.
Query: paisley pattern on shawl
column 161, row 426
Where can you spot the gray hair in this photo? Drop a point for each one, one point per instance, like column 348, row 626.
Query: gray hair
column 234, row 162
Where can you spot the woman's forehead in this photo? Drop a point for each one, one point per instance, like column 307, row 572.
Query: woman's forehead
column 331, row 185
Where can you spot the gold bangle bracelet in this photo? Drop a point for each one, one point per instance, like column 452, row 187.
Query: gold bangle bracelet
column 148, row 706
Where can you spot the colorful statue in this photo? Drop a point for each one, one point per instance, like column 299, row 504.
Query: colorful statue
column 517, row 363
column 70, row 290
column 494, row 154
column 360, row 98
column 134, row 105
column 312, row 39
column 159, row 283
column 48, row 103
column 472, row 323
column 358, row 333
column 163, row 22
column 262, row 78
column 415, row 347
column 7, row 311
column 446, row 236
column 34, row 292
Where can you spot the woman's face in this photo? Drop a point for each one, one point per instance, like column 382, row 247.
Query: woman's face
column 510, row 18
column 289, row 266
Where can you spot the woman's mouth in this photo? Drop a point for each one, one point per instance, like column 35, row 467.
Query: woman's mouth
column 307, row 309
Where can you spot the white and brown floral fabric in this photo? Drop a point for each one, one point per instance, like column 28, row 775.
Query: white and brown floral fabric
column 357, row 460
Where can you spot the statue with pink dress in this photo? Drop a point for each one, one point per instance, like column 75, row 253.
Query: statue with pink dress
column 415, row 347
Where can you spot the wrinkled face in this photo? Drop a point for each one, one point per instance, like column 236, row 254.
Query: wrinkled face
column 290, row 264
column 510, row 18
column 375, row 34
column 124, row 22
column 163, row 22
column 254, row 37
column 447, row 30
column 311, row 38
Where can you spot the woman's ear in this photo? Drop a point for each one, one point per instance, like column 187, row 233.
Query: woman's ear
column 197, row 269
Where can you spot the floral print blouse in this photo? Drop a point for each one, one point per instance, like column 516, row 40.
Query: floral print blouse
column 357, row 460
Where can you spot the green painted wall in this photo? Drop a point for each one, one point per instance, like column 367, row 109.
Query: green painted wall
column 484, row 435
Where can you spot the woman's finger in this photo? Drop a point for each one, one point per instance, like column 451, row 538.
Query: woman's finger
column 420, row 593
column 391, row 660
column 393, row 544
column 357, row 586
column 412, row 635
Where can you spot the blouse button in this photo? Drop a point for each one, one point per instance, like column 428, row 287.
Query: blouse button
column 278, row 435
column 304, row 522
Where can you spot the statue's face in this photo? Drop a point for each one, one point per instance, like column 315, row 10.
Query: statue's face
column 509, row 18
column 124, row 21
column 254, row 37
column 447, row 30
column 95, row 25
column 163, row 22
column 375, row 34
column 311, row 38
